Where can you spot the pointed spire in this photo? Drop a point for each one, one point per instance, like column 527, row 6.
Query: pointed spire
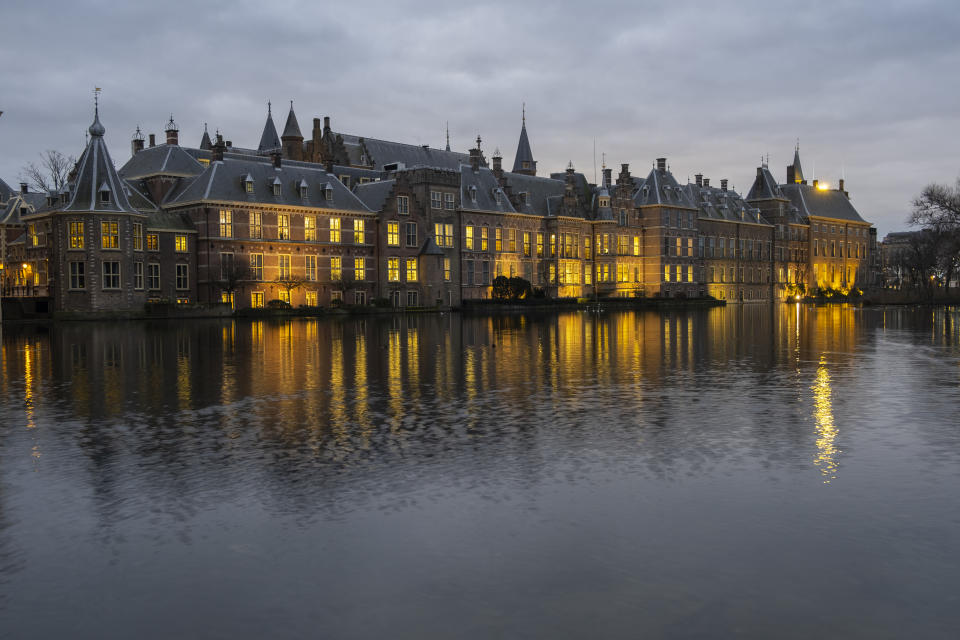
column 292, row 128
column 205, row 142
column 523, row 162
column 269, row 140
column 448, row 135
column 95, row 185
column 797, row 169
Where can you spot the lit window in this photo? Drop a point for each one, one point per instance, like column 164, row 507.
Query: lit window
column 310, row 298
column 512, row 240
column 539, row 245
column 393, row 234
column 256, row 224
column 109, row 235
column 336, row 272
column 334, row 229
column 256, row 266
column 483, row 238
column 111, row 275
column 226, row 223
column 411, row 269
column 283, row 226
column 666, row 273
column 284, row 295
column 359, row 269
column 76, row 235
column 180, row 243
column 311, row 271
column 137, row 236
column 468, row 238
column 446, row 269
column 358, row 232
column 283, row 267
column 393, row 269
column 498, row 239
column 636, row 245
column 309, row 228
column 526, row 243
column 256, row 299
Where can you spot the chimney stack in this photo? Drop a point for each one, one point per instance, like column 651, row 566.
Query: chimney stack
column 661, row 164
column 706, row 182
column 153, row 139
column 216, row 151
column 608, row 177
column 699, row 179
column 136, row 144
column 23, row 188
column 723, row 184
column 276, row 156
column 326, row 123
column 842, row 190
column 790, row 174
column 172, row 132
column 497, row 163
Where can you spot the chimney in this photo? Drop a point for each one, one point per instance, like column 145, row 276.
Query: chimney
column 723, row 184
column 229, row 144
column 706, row 182
column 475, row 159
column 326, row 123
column 661, row 164
column 276, row 156
column 172, row 132
column 23, row 187
column 153, row 139
column 699, row 178
column 759, row 175
column 624, row 174
column 608, row 176
column 136, row 146
column 842, row 190
column 216, row 151
column 497, row 163
column 790, row 174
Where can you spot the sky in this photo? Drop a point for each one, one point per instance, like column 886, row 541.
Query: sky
column 868, row 88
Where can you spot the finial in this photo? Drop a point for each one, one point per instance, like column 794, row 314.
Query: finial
column 96, row 100
column 204, row 127
column 291, row 105
column 448, row 135
column 603, row 160
column 138, row 135
column 496, row 152
column 478, row 141
column 570, row 166
column 524, row 116
column 268, row 108
column 96, row 129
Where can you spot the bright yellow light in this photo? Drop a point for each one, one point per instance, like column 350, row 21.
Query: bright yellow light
column 823, row 186
column 25, row 265
column 797, row 297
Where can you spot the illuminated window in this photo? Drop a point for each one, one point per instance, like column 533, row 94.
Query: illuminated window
column 137, row 236
column 334, row 229
column 359, row 269
column 512, row 240
column 443, row 233
column 153, row 276
column 393, row 234
column 309, row 228
column 336, row 271
column 587, row 274
column 78, row 278
column 283, row 267
column 553, row 245
column 76, row 235
column 468, row 238
column 526, row 243
column 311, row 268
column 393, row 269
column 283, row 226
column 403, row 205
column 586, row 247
column 180, row 243
column 446, row 269
column 690, row 273
column 666, row 273
column 109, row 235
column 689, row 247
column 483, row 238
column 284, row 295
column 111, row 274
column 256, row 266
column 183, row 277
column 256, row 299
column 226, row 223
column 310, row 298
column 358, row 232
column 636, row 245
column 539, row 245
column 411, row 270
column 498, row 239
column 411, row 234
column 256, row 224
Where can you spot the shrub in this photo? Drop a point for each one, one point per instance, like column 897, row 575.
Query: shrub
column 278, row 304
column 515, row 288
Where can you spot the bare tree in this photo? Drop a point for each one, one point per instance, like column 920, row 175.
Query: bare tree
column 937, row 206
column 289, row 283
column 232, row 276
column 937, row 210
column 51, row 174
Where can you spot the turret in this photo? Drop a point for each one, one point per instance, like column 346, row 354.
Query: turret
column 523, row 162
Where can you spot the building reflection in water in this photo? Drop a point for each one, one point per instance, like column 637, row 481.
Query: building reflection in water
column 827, row 451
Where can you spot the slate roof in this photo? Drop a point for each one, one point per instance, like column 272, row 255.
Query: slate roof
column 831, row 203
column 764, row 186
column 716, row 204
column 478, row 191
column 660, row 187
column 430, row 248
column 269, row 139
column 377, row 153
column 95, row 172
column 524, row 154
column 5, row 191
column 222, row 181
column 169, row 221
column 292, row 129
column 161, row 160
column 539, row 190
column 138, row 196
column 797, row 169
column 374, row 194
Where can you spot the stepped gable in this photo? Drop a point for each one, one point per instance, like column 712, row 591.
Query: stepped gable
column 96, row 176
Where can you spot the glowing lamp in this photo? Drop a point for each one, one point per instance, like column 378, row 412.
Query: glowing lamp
column 823, row 186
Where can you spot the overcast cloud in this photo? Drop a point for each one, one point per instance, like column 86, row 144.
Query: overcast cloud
column 869, row 88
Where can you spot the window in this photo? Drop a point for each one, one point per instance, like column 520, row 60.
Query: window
column 690, row 273
column 498, row 195
column 310, row 298
column 689, row 247
column 483, row 238
column 403, row 205
column 248, row 183
column 334, row 229
column 284, row 295
column 226, row 223
column 587, row 246
column 226, row 267
column 623, row 246
column 104, row 193
column 666, row 273
column 183, row 278
column 78, row 275
column 443, row 234
column 137, row 236
column 256, row 266
column 679, row 247
column 153, row 276
column 276, row 186
column 393, row 234
column 411, row 298
column 469, row 274
column 436, row 200
column 526, row 243
column 484, row 272
column 358, row 231
column 138, row 276
column 283, row 226
column 109, row 235
column 512, row 240
column 448, row 201
column 553, row 245
column 360, row 297
column 446, row 269
column 256, row 299
column 180, row 242
column 309, row 228
column 359, row 269
column 411, row 234
column 468, row 238
column 336, row 270
column 76, row 235
column 111, row 274
column 311, row 269
column 539, row 245
column 411, row 270
column 393, row 269
column 256, row 224
column 283, row 266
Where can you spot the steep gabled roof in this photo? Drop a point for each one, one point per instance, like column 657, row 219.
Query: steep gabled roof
column 269, row 140
column 660, row 187
column 524, row 153
column 765, row 186
column 5, row 191
column 797, row 169
column 830, row 203
column 374, row 194
column 205, row 142
column 95, row 170
column 292, row 129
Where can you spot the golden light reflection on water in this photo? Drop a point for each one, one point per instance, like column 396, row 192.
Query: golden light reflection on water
column 827, row 451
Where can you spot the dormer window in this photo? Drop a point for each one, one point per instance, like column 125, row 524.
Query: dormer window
column 328, row 193
column 248, row 183
column 604, row 202
column 104, row 193
column 498, row 195
column 473, row 194
column 524, row 164
column 523, row 197
column 276, row 186
column 302, row 187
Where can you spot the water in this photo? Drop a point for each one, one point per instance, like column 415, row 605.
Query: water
column 745, row 472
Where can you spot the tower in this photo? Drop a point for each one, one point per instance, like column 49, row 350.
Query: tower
column 523, row 162
column 292, row 138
